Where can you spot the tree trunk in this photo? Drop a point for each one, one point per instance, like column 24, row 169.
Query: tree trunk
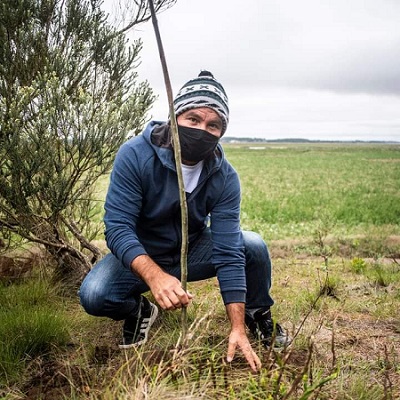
column 72, row 266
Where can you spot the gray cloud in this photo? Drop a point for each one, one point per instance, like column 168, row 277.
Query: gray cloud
column 289, row 66
column 341, row 45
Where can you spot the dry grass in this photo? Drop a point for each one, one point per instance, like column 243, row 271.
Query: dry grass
column 346, row 346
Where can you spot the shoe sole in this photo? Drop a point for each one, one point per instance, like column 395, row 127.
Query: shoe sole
column 153, row 317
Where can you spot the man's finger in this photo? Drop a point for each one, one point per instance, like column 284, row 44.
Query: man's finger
column 231, row 351
column 183, row 298
column 189, row 295
column 254, row 362
column 252, row 358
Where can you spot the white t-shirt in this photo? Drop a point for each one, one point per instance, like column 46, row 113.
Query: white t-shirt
column 191, row 175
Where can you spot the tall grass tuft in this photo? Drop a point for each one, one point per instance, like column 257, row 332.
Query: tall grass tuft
column 29, row 325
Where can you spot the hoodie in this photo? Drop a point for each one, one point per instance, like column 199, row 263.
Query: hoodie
column 143, row 215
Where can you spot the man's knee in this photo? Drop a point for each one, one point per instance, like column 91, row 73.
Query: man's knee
column 95, row 288
column 255, row 245
column 252, row 237
column 92, row 295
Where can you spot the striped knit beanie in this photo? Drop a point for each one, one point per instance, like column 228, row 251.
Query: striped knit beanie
column 203, row 91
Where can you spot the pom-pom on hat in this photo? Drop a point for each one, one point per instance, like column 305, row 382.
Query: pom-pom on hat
column 203, row 91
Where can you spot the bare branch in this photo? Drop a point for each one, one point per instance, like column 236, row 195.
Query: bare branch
column 82, row 240
column 178, row 164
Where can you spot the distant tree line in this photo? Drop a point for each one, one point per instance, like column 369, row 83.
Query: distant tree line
column 231, row 139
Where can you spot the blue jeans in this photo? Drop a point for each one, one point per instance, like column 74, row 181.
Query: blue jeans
column 111, row 290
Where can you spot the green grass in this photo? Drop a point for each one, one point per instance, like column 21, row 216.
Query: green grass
column 32, row 323
column 286, row 189
column 330, row 215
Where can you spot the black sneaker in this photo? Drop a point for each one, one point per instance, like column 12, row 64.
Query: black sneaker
column 266, row 330
column 136, row 328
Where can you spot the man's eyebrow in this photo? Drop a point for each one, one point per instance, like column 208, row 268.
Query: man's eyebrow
column 216, row 120
column 193, row 112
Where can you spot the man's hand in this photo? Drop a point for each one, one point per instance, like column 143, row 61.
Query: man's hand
column 168, row 292
column 166, row 289
column 238, row 337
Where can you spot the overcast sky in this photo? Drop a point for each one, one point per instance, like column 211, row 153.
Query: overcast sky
column 316, row 69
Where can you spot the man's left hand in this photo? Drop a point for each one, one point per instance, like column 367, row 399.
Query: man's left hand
column 238, row 337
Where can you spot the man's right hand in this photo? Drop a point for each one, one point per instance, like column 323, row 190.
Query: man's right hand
column 166, row 289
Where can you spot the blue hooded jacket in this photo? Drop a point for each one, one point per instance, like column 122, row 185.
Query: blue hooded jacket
column 143, row 215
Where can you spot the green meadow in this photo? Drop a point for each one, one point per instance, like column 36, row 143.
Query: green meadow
column 330, row 214
column 287, row 188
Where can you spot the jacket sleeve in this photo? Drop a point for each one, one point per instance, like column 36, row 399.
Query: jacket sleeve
column 122, row 206
column 228, row 247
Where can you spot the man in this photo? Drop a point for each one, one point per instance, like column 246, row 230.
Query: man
column 143, row 229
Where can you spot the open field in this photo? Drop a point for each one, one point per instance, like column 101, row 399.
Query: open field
column 330, row 214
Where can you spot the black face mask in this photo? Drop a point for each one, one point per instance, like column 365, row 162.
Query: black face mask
column 196, row 144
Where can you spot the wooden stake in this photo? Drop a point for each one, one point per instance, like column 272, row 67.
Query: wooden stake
column 178, row 162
